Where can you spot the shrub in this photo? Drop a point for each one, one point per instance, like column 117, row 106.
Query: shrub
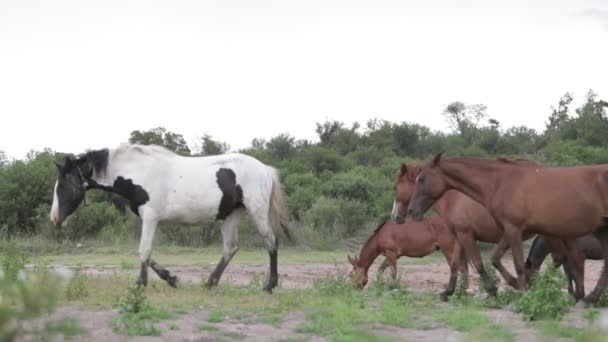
column 136, row 315
column 336, row 218
column 545, row 298
column 25, row 296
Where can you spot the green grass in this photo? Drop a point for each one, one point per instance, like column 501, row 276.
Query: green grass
column 207, row 327
column 474, row 323
column 557, row 329
column 126, row 258
column 216, row 317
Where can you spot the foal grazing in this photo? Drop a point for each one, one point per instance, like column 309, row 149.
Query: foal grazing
column 163, row 186
column 588, row 245
column 414, row 240
column 565, row 203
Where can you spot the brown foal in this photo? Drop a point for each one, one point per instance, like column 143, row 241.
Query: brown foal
column 565, row 203
column 412, row 239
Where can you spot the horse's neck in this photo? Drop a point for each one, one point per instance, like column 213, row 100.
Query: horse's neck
column 441, row 207
column 471, row 180
column 369, row 252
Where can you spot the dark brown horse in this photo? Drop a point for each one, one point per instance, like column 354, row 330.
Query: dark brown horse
column 468, row 220
column 542, row 246
column 412, row 239
column 565, row 203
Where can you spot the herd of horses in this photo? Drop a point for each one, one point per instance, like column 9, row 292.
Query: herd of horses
column 502, row 201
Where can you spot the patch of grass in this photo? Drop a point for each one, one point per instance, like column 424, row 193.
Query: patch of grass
column 207, row 327
column 545, row 298
column 173, row 326
column 216, row 317
column 77, row 286
column 475, row 324
column 556, row 329
column 233, row 335
column 67, row 327
column 592, row 334
column 591, row 315
column 126, row 265
column 137, row 317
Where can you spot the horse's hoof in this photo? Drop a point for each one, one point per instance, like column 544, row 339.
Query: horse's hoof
column 268, row 289
column 444, row 297
column 141, row 283
column 172, row 281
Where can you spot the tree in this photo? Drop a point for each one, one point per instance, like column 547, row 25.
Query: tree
column 327, row 130
column 282, row 146
column 209, row 147
column 3, row 160
column 559, row 117
column 161, row 136
column 464, row 119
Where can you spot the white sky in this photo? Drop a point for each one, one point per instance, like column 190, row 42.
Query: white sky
column 84, row 74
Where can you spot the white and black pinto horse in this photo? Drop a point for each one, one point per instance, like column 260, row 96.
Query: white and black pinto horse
column 163, row 186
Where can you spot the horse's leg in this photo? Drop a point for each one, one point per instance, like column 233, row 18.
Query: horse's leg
column 163, row 273
column 578, row 262
column 513, row 235
column 392, row 260
column 265, row 230
column 230, row 238
column 471, row 249
column 569, row 272
column 464, row 268
column 383, row 267
column 499, row 251
column 452, row 251
column 594, row 296
column 148, row 227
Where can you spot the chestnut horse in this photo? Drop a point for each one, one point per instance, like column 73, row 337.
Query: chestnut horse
column 562, row 202
column 468, row 220
column 412, row 239
column 542, row 246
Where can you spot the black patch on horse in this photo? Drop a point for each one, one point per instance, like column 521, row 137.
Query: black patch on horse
column 232, row 194
column 93, row 161
column 135, row 194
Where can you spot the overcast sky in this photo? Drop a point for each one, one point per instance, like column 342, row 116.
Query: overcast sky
column 83, row 74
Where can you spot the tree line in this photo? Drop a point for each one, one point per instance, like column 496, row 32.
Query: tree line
column 334, row 186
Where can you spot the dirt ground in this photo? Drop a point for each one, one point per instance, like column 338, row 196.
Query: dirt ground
column 186, row 327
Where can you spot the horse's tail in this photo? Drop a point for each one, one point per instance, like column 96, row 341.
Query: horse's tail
column 277, row 207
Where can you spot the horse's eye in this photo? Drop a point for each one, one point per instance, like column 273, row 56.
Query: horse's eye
column 421, row 180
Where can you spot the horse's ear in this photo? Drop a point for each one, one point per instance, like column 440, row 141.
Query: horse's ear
column 403, row 169
column 437, row 158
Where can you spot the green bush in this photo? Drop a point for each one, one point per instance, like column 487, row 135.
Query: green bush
column 88, row 221
column 545, row 298
column 24, row 296
column 336, row 218
column 136, row 315
column 348, row 186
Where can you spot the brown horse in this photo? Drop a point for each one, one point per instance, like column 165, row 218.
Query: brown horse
column 414, row 240
column 565, row 203
column 468, row 220
column 542, row 246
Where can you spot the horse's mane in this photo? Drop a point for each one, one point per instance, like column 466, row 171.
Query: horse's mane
column 516, row 161
column 375, row 232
